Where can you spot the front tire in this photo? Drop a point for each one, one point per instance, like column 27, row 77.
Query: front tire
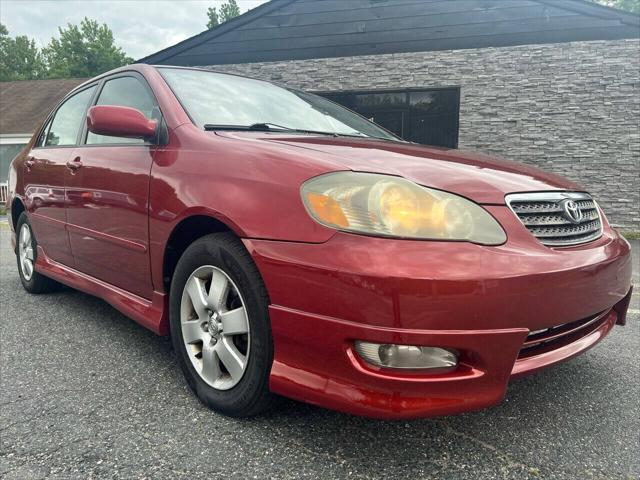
column 26, row 255
column 220, row 326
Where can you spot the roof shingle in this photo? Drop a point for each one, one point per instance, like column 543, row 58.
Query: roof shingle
column 24, row 104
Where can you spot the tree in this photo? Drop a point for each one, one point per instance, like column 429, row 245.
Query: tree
column 214, row 20
column 20, row 59
column 228, row 11
column 628, row 5
column 83, row 51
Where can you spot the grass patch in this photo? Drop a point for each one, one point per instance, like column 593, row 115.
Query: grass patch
column 3, row 211
column 631, row 235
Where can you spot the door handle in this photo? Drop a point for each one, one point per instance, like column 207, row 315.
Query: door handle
column 29, row 162
column 74, row 165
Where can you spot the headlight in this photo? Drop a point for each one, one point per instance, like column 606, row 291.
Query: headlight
column 392, row 206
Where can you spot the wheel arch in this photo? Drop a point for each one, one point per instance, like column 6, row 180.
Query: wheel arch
column 185, row 232
column 17, row 207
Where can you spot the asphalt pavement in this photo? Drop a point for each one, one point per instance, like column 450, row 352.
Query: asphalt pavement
column 87, row 393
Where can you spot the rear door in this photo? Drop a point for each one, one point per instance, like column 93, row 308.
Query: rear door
column 108, row 195
column 44, row 175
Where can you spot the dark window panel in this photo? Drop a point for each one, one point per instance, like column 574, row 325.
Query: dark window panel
column 381, row 100
column 428, row 116
column 392, row 121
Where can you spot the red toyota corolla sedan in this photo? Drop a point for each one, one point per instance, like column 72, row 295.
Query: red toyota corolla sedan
column 291, row 247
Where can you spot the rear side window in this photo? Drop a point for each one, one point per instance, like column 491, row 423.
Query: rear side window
column 67, row 121
column 125, row 92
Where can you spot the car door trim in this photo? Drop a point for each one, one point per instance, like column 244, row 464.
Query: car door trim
column 45, row 218
column 128, row 244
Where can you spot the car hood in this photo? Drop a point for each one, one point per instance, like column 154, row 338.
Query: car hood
column 479, row 177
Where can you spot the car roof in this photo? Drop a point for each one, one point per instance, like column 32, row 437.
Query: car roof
column 143, row 67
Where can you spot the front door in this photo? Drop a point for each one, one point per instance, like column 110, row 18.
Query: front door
column 44, row 175
column 108, row 195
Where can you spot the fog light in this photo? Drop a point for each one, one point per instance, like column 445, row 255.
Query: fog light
column 407, row 356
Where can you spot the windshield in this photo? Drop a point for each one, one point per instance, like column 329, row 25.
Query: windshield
column 228, row 101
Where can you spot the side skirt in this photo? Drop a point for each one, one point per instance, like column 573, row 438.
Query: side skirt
column 151, row 314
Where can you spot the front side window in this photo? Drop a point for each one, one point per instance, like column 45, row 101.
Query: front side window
column 125, row 92
column 67, row 121
column 228, row 101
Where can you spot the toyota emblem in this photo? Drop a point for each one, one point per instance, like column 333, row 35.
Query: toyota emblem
column 572, row 211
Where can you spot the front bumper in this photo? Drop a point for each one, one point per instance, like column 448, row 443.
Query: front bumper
column 481, row 301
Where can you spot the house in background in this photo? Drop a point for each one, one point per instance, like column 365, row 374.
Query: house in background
column 553, row 83
column 23, row 107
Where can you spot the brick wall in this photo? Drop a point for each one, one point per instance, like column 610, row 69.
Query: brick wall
column 570, row 108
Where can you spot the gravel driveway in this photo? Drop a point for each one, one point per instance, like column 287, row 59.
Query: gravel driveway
column 87, row 393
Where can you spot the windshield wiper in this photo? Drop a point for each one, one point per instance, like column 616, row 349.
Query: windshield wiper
column 263, row 127
column 274, row 127
column 266, row 126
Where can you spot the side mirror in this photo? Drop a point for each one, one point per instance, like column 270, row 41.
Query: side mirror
column 116, row 121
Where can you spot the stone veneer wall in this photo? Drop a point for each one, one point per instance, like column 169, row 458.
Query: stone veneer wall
column 570, row 108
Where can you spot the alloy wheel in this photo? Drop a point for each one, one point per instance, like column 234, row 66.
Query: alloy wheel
column 215, row 327
column 25, row 252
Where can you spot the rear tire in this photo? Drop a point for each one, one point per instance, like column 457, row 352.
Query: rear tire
column 26, row 255
column 220, row 326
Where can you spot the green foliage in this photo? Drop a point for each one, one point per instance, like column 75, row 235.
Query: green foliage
column 631, row 235
column 83, row 51
column 228, row 11
column 628, row 5
column 20, row 59
column 214, row 20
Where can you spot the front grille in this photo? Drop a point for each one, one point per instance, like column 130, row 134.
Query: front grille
column 548, row 216
column 546, row 339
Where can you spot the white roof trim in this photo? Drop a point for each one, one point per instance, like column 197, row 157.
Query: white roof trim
column 15, row 138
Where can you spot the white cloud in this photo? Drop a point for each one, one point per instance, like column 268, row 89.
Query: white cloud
column 140, row 27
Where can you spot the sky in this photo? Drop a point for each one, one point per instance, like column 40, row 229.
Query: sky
column 140, row 27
